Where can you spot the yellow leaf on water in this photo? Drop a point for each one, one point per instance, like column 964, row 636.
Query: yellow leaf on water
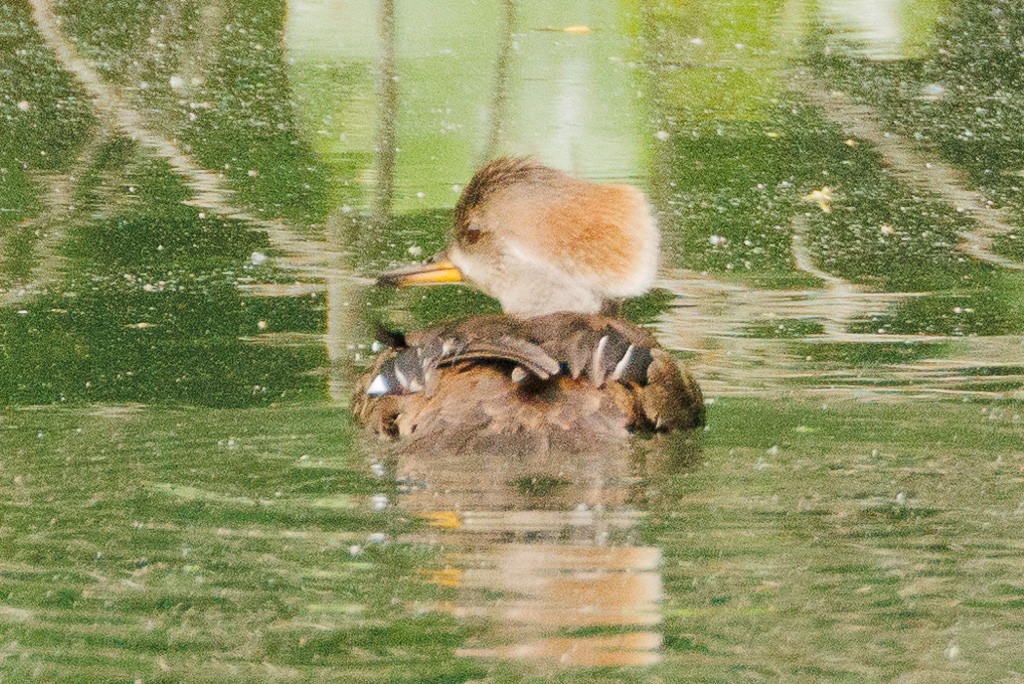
column 821, row 197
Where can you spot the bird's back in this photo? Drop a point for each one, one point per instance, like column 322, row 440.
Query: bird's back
column 559, row 381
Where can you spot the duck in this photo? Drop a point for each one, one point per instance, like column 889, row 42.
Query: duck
column 558, row 367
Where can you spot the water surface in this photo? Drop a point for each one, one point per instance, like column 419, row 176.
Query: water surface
column 194, row 197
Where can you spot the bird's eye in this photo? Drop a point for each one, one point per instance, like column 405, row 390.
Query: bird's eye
column 472, row 232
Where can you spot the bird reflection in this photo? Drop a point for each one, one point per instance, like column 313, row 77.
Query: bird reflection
column 544, row 551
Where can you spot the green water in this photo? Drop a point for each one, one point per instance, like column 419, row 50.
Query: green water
column 194, row 197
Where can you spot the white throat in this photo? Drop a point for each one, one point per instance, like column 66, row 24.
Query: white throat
column 531, row 288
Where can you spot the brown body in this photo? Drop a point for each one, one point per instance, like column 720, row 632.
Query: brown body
column 485, row 386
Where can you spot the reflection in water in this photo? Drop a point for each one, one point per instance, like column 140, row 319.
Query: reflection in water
column 145, row 224
column 723, row 212
column 544, row 549
column 499, row 99
column 42, row 266
column 577, row 100
column 875, row 23
column 178, row 187
column 387, row 129
column 921, row 170
column 883, row 29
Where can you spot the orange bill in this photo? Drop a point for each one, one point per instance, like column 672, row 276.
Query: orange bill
column 434, row 271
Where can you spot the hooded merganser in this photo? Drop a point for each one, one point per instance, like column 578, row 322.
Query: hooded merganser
column 555, row 251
